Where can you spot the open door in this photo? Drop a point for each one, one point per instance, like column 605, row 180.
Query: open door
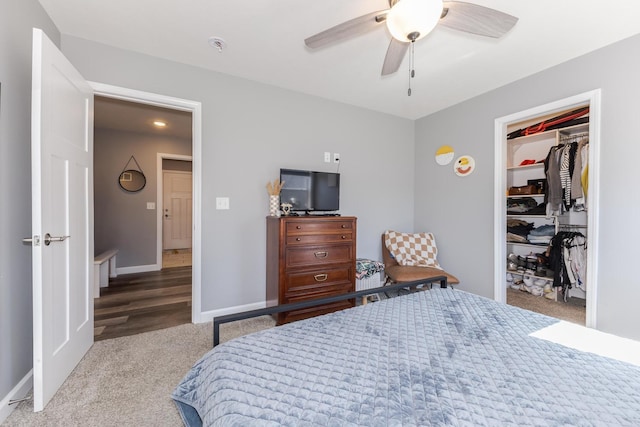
column 62, row 218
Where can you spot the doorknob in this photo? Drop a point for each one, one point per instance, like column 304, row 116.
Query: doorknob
column 48, row 238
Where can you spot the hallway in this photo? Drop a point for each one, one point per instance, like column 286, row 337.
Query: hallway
column 142, row 302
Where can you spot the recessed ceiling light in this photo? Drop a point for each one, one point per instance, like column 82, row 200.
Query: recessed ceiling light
column 159, row 123
column 217, row 43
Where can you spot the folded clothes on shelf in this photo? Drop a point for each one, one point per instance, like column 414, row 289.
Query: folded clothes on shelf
column 525, row 205
column 519, row 229
column 516, row 238
column 538, row 240
column 543, row 230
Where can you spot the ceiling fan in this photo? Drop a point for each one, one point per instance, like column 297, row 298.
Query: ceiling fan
column 411, row 20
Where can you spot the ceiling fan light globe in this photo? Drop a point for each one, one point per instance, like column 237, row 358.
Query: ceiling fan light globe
column 413, row 16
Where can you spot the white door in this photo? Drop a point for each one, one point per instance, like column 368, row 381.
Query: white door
column 177, row 209
column 62, row 203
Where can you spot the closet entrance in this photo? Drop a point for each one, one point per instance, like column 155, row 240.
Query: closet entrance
column 544, row 213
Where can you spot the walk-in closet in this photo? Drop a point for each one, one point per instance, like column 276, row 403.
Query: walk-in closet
column 547, row 201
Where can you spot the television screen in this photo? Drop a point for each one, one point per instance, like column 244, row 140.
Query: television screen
column 309, row 190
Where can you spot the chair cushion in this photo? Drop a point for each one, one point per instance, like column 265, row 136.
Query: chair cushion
column 400, row 274
column 412, row 249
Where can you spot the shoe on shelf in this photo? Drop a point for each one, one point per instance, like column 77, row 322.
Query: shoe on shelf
column 540, row 282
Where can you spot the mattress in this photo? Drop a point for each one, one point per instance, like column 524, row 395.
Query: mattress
column 434, row 358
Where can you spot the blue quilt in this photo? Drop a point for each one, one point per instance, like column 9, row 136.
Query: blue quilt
column 441, row 357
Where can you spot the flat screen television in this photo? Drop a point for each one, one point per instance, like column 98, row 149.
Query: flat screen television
column 309, row 191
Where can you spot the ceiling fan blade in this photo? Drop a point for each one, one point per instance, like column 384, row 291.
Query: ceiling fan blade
column 475, row 19
column 348, row 29
column 395, row 54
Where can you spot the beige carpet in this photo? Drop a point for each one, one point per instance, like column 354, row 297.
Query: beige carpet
column 128, row 381
column 572, row 311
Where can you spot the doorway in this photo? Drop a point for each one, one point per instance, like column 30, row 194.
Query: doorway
column 591, row 99
column 175, row 204
column 194, row 108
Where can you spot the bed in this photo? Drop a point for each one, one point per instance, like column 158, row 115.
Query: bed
column 441, row 357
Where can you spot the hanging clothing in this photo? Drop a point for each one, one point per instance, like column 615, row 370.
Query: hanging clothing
column 568, row 260
column 553, row 195
column 576, row 177
column 567, row 165
column 584, row 173
column 566, row 170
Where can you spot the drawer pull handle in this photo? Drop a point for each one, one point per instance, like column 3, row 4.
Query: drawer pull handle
column 298, row 239
column 321, row 277
column 298, row 227
column 322, row 254
column 344, row 225
column 344, row 237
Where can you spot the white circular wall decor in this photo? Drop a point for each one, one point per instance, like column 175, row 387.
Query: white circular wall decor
column 444, row 155
column 464, row 165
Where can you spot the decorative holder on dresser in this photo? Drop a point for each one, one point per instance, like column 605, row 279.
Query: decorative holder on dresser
column 273, row 188
column 274, row 202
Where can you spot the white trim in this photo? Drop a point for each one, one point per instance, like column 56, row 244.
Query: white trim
column 18, row 392
column 208, row 316
column 160, row 198
column 137, row 269
column 500, row 182
column 195, row 108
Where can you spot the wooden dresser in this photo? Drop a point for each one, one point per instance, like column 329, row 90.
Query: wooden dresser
column 310, row 257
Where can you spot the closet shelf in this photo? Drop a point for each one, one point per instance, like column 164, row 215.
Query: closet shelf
column 522, row 273
column 529, row 244
column 522, row 196
column 533, row 166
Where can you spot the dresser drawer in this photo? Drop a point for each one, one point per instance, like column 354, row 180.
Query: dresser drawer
column 319, row 281
column 317, row 255
column 317, row 226
column 316, row 239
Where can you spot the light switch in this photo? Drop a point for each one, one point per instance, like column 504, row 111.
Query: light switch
column 151, row 205
column 222, row 203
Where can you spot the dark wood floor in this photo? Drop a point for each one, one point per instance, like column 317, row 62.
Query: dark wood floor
column 142, row 302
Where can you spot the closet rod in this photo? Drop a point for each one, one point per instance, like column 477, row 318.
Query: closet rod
column 574, row 136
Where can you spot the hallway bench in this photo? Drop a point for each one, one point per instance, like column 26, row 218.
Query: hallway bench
column 104, row 266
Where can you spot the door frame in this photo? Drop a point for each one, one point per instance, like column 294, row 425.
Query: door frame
column 195, row 108
column 593, row 98
column 160, row 198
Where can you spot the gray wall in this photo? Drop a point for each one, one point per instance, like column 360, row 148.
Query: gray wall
column 249, row 132
column 122, row 220
column 463, row 219
column 16, row 21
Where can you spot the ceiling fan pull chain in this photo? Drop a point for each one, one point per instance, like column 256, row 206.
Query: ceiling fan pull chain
column 412, row 71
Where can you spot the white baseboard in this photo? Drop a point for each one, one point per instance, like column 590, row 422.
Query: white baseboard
column 18, row 392
column 138, row 269
column 207, row 316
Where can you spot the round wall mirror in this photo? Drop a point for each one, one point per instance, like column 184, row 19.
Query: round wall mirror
column 132, row 180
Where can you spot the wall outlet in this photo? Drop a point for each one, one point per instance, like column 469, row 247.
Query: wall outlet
column 336, row 157
column 327, row 157
column 222, row 203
